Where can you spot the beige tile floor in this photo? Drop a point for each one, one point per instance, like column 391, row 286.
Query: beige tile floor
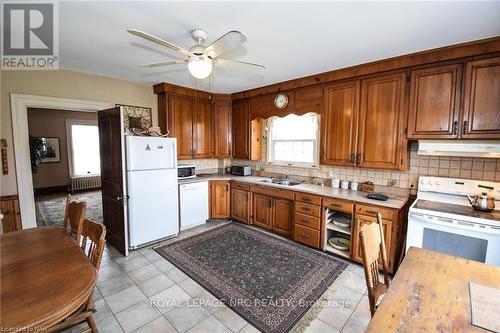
column 128, row 286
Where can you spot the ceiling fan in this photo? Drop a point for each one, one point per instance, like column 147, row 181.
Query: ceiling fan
column 199, row 58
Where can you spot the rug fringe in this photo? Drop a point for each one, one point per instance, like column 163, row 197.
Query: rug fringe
column 314, row 311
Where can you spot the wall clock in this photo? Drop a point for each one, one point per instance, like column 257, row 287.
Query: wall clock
column 281, row 101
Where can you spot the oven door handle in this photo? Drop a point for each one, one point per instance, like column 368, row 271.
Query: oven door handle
column 445, row 222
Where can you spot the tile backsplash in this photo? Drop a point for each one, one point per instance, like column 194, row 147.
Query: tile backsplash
column 487, row 169
column 442, row 166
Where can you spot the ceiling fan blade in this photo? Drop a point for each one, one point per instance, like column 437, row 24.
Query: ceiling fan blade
column 164, row 63
column 238, row 65
column 160, row 41
column 225, row 43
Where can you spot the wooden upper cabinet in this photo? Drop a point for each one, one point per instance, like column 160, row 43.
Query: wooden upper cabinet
column 180, row 124
column 434, row 102
column 241, row 129
column 220, row 199
column 222, row 137
column 202, row 129
column 255, row 139
column 380, row 140
column 338, row 145
column 260, row 106
column 309, row 99
column 481, row 118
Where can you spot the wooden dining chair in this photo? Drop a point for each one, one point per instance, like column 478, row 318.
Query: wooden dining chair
column 92, row 243
column 373, row 248
column 73, row 218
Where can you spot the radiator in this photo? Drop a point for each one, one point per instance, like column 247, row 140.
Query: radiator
column 85, row 182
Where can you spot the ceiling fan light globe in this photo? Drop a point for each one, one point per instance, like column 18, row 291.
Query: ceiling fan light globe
column 200, row 67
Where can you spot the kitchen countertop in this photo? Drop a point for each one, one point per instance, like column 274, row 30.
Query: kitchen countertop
column 395, row 201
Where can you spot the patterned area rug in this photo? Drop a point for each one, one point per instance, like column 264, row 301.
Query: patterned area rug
column 52, row 212
column 269, row 281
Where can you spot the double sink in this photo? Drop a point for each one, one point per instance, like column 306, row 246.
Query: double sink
column 284, row 181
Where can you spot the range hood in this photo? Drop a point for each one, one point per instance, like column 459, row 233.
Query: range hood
column 464, row 148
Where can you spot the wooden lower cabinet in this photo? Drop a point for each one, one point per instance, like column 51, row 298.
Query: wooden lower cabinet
column 262, row 211
column 240, row 205
column 387, row 225
column 283, row 216
column 273, row 213
column 9, row 207
column 307, row 236
column 220, row 199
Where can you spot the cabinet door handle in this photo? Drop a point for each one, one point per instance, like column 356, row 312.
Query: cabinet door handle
column 465, row 127
column 353, row 158
column 359, row 158
column 455, row 127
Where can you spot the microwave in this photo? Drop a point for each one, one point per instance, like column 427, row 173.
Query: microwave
column 244, row 170
column 186, row 171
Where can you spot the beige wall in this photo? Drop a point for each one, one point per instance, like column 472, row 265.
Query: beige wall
column 65, row 84
column 52, row 124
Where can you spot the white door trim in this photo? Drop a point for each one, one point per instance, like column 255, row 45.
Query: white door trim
column 19, row 104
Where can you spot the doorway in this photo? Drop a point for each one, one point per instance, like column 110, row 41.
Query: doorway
column 19, row 111
column 65, row 159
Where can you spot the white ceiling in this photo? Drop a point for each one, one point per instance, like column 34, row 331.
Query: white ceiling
column 292, row 39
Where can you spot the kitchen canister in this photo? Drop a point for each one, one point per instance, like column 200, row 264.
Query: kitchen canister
column 354, row 186
column 335, row 182
column 344, row 184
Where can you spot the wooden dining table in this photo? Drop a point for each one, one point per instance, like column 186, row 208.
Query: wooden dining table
column 44, row 277
column 430, row 293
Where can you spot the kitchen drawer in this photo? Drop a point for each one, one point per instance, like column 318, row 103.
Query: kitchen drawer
column 272, row 191
column 387, row 213
column 240, row 186
column 306, row 236
column 308, row 198
column 308, row 209
column 340, row 205
column 307, row 221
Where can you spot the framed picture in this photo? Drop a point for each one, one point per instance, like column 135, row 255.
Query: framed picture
column 136, row 116
column 51, row 152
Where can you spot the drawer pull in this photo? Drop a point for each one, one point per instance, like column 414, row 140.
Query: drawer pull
column 306, row 221
column 306, row 236
column 336, row 205
column 306, row 199
column 306, row 209
column 372, row 212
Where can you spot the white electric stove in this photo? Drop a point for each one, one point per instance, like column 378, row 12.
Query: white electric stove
column 442, row 219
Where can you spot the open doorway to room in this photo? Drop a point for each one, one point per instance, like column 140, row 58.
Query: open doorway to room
column 64, row 146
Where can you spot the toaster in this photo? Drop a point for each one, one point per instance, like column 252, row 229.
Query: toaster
column 244, row 170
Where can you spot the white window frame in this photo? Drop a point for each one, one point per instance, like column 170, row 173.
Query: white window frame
column 69, row 139
column 270, row 143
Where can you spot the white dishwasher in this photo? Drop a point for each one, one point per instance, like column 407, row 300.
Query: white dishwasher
column 193, row 202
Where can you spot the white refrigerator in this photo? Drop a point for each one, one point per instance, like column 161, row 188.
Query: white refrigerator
column 152, row 189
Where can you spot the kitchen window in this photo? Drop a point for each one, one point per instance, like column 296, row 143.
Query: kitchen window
column 293, row 140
